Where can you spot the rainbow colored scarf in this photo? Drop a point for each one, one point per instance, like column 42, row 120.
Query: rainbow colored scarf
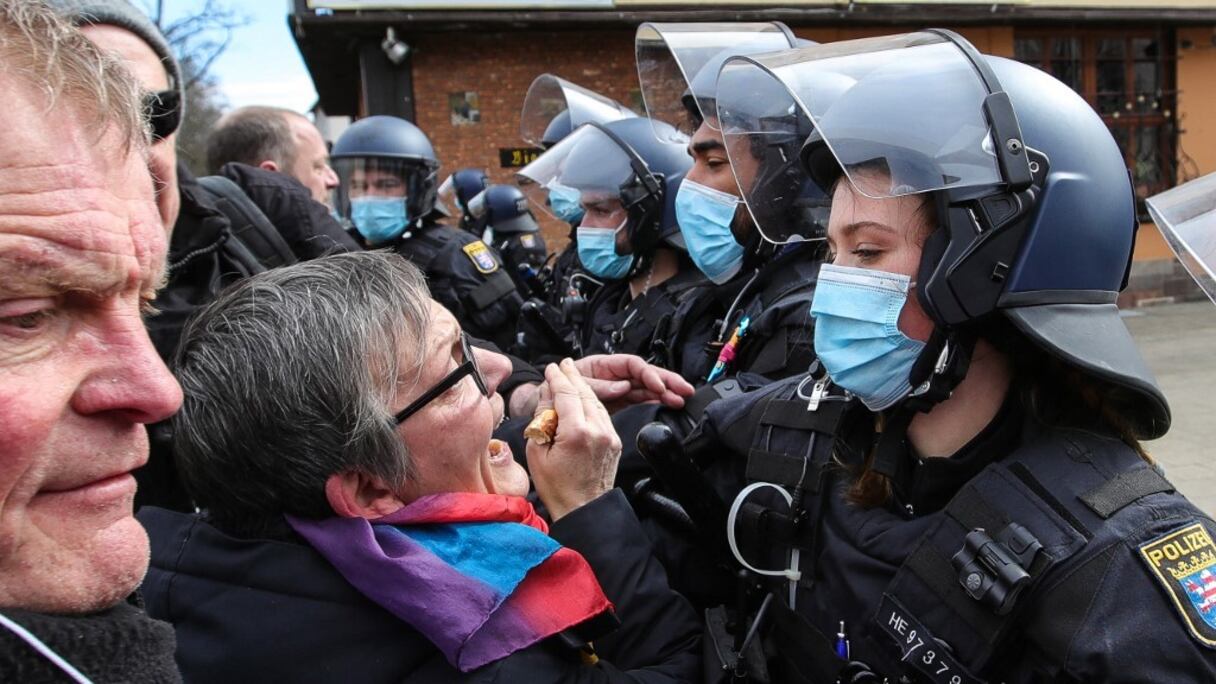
column 477, row 574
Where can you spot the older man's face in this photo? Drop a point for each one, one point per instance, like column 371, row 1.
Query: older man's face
column 81, row 249
column 147, row 68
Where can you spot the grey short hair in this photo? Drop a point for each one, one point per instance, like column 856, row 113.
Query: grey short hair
column 44, row 50
column 252, row 135
column 289, row 377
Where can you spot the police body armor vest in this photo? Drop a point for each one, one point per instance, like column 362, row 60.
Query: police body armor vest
column 425, row 244
column 779, row 314
column 953, row 611
column 643, row 326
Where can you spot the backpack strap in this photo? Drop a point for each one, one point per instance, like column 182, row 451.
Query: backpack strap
column 250, row 226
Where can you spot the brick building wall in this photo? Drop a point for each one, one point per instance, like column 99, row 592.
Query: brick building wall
column 499, row 67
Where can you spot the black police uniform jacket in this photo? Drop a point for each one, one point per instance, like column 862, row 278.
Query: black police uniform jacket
column 649, row 325
column 1115, row 572
column 467, row 278
column 275, row 610
column 775, row 296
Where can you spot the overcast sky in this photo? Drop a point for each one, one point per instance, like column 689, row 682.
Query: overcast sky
column 262, row 65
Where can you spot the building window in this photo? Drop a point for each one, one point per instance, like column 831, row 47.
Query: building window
column 1129, row 78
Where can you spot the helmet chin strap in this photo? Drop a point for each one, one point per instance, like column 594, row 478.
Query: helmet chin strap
column 938, row 370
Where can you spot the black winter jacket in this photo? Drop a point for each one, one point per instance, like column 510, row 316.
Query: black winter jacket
column 277, row 611
column 304, row 223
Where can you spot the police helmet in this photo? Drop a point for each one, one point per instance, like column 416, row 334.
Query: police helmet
column 557, row 129
column 504, row 208
column 468, row 183
column 671, row 55
column 1036, row 211
column 621, row 160
column 386, row 148
column 701, row 97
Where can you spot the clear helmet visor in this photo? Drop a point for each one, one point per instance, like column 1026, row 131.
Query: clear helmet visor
column 673, row 59
column 381, row 178
column 554, row 106
column 899, row 115
column 1186, row 216
column 587, row 167
column 763, row 130
column 445, row 198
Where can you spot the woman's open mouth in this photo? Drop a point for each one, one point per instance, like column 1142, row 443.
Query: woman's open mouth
column 500, row 452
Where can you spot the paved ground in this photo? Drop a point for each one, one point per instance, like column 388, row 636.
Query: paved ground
column 1179, row 342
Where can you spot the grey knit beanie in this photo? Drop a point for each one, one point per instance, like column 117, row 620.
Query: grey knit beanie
column 122, row 14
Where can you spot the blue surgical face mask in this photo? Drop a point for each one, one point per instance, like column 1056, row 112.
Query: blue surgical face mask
column 705, row 215
column 379, row 219
column 857, row 334
column 597, row 251
column 564, row 201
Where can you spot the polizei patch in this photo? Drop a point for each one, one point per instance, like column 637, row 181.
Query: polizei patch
column 1184, row 562
column 481, row 257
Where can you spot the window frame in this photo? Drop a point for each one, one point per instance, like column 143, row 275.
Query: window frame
column 1129, row 120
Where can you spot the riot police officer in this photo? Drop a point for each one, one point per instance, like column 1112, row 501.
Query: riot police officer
column 509, row 227
column 549, row 325
column 626, row 180
column 764, row 286
column 387, row 169
column 986, row 511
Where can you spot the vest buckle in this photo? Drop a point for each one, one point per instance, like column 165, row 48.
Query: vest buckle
column 995, row 571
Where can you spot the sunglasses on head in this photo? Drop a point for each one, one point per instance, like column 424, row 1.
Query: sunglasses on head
column 164, row 112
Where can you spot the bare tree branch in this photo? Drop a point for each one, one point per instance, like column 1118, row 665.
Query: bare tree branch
column 203, row 69
column 198, row 40
column 203, row 36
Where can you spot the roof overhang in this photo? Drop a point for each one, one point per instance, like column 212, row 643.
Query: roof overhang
column 327, row 31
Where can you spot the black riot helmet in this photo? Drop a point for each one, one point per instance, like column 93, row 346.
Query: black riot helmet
column 461, row 187
column 383, row 157
column 678, row 65
column 504, row 209
column 457, row 191
column 621, row 162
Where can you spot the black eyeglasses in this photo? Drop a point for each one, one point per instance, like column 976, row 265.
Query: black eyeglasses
column 164, row 112
column 467, row 367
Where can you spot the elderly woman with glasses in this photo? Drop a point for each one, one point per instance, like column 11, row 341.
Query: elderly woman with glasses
column 357, row 520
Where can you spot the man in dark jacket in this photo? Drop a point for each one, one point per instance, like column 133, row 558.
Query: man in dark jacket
column 396, row 430
column 275, row 139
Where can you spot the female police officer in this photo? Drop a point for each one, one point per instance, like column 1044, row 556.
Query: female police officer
column 987, row 512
